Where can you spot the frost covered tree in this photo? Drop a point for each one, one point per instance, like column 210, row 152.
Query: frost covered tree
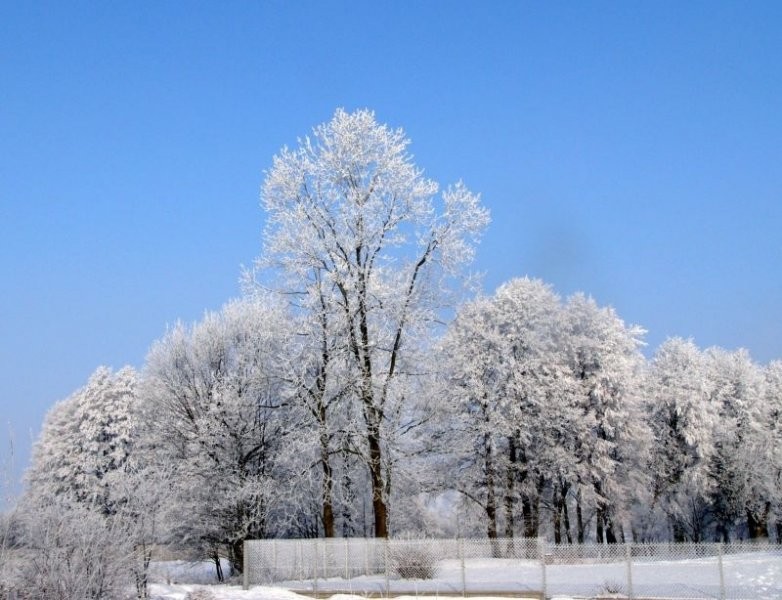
column 473, row 383
column 537, row 403
column 320, row 384
column 772, row 455
column 363, row 242
column 506, row 380
column 604, row 359
column 86, row 441
column 73, row 515
column 682, row 421
column 738, row 490
column 215, row 410
column 548, row 402
column 71, row 550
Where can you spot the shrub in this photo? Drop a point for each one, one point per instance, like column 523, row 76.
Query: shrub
column 413, row 562
column 200, row 594
column 611, row 587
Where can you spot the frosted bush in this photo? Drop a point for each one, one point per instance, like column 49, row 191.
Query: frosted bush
column 412, row 562
column 200, row 594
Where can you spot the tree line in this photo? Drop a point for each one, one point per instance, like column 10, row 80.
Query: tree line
column 338, row 398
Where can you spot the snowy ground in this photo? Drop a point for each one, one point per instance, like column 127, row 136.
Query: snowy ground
column 751, row 576
column 232, row 592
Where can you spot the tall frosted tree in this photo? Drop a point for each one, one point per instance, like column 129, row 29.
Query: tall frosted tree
column 682, row 421
column 737, row 386
column 503, row 379
column 773, row 447
column 86, row 441
column 216, row 411
column 605, row 362
column 368, row 244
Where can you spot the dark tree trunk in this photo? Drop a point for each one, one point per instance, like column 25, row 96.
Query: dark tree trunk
column 328, row 482
column 566, row 520
column 348, row 528
column 510, row 481
column 609, row 524
column 599, row 527
column 678, row 531
column 142, row 578
column 757, row 524
column 379, row 508
column 579, row 519
column 526, row 511
column 491, row 501
column 556, row 515
column 218, row 566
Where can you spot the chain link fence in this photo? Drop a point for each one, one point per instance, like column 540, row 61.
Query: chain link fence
column 520, row 567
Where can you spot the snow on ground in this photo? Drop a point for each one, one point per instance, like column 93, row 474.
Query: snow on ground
column 233, row 592
column 160, row 591
column 750, row 575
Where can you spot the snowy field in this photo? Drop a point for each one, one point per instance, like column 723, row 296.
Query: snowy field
column 750, row 576
column 232, row 592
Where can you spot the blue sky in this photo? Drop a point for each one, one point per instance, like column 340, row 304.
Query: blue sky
column 630, row 150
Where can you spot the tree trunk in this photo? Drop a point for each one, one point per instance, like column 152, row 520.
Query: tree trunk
column 328, row 506
column 599, row 526
column 566, row 519
column 535, row 504
column 678, row 531
column 510, row 487
column 142, row 577
column 379, row 508
column 348, row 528
column 528, row 511
column 579, row 519
column 609, row 524
column 218, row 566
column 491, row 501
column 328, row 483
column 237, row 557
column 556, row 515
column 757, row 524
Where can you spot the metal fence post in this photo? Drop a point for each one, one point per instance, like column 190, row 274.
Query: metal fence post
column 387, row 567
column 326, row 550
column 347, row 559
column 300, row 560
column 245, row 563
column 464, row 574
column 722, row 571
column 366, row 558
column 274, row 560
column 315, row 566
column 542, row 553
column 629, row 553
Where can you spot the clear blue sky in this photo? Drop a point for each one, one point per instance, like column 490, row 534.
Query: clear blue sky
column 630, row 150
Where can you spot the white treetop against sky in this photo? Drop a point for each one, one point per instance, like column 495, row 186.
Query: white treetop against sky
column 625, row 151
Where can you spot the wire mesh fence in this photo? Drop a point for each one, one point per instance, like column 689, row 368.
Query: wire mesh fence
column 521, row 567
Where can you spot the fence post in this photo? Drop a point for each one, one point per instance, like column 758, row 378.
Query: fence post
column 722, row 572
column 464, row 574
column 366, row 558
column 245, row 562
column 387, row 565
column 300, row 553
column 629, row 553
column 274, row 560
column 542, row 553
column 347, row 559
column 315, row 566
